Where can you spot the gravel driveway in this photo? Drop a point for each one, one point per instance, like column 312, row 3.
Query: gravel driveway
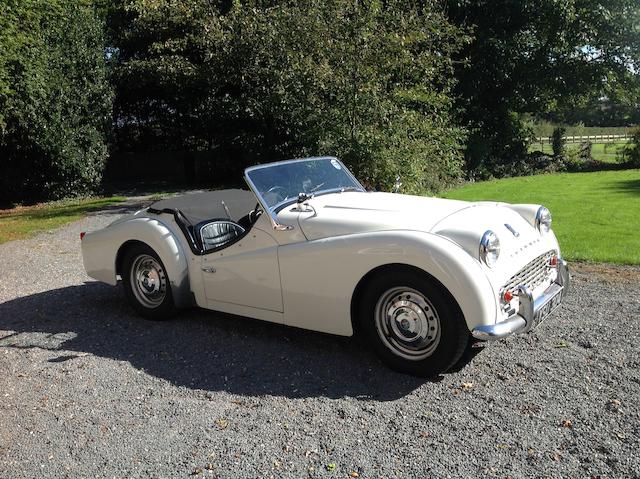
column 87, row 389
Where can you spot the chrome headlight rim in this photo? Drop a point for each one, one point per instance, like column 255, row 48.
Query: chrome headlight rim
column 489, row 248
column 543, row 220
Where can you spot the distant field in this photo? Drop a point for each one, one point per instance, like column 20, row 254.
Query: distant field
column 23, row 221
column 546, row 129
column 605, row 152
column 595, row 215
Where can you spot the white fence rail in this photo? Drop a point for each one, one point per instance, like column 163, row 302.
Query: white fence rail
column 591, row 138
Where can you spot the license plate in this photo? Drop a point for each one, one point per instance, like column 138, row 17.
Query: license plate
column 547, row 308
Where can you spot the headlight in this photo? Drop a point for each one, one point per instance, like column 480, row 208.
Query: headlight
column 489, row 248
column 543, row 220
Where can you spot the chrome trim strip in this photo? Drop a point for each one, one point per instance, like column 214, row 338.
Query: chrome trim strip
column 522, row 321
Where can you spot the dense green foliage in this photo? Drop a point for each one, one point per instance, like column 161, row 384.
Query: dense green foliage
column 595, row 215
column 631, row 153
column 369, row 82
column 598, row 111
column 558, row 143
column 55, row 99
column 534, row 56
column 424, row 89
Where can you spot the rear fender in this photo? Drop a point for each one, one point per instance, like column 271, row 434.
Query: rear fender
column 101, row 249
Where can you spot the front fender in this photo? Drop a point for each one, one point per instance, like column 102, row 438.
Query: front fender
column 319, row 277
column 100, row 251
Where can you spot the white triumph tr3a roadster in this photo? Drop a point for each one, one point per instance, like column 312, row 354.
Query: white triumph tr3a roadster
column 309, row 247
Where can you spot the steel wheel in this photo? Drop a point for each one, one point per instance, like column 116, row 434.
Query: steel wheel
column 407, row 323
column 148, row 281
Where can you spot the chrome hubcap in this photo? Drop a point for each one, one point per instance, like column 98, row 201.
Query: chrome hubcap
column 407, row 323
column 148, row 281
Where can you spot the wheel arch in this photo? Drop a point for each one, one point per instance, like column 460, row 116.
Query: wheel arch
column 122, row 252
column 163, row 241
column 358, row 292
column 322, row 301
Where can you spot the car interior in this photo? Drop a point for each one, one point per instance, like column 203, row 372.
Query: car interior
column 211, row 220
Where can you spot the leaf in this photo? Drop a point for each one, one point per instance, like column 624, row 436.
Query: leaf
column 222, row 423
column 330, row 467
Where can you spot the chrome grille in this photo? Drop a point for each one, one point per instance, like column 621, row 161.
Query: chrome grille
column 532, row 275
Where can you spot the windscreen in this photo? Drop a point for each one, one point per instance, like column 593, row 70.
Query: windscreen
column 280, row 183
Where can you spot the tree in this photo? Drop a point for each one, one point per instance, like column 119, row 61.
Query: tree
column 535, row 56
column 258, row 81
column 55, row 99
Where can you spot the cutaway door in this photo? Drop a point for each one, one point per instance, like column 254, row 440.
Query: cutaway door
column 245, row 273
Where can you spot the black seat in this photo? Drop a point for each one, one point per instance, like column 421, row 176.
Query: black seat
column 219, row 233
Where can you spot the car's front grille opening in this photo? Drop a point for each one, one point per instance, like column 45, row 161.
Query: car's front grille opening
column 532, row 275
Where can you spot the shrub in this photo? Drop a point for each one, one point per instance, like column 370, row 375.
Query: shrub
column 502, row 150
column 55, row 100
column 631, row 153
column 558, row 142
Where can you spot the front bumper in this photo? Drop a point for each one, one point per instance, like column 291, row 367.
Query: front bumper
column 527, row 316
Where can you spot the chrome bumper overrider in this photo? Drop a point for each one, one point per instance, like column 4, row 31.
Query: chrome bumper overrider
column 525, row 319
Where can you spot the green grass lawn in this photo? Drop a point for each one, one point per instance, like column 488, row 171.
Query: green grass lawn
column 596, row 216
column 605, row 152
column 23, row 221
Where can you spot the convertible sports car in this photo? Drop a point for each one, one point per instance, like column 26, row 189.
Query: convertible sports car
column 309, row 247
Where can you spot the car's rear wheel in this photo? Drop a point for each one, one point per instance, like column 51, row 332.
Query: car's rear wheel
column 412, row 322
column 146, row 283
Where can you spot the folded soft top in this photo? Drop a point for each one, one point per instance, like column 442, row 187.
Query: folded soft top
column 207, row 205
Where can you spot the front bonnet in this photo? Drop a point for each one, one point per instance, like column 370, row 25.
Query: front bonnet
column 358, row 212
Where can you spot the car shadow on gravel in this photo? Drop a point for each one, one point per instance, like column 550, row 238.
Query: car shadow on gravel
column 199, row 349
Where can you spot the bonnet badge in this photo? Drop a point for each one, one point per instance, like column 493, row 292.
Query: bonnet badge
column 512, row 229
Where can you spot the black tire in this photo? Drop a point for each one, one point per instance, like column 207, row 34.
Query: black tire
column 420, row 329
column 153, row 301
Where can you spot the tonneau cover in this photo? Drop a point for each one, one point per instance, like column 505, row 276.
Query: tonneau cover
column 207, row 205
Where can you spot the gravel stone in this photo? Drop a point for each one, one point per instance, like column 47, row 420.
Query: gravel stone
column 88, row 389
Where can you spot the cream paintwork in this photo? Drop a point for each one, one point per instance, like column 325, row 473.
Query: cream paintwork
column 318, row 287
column 100, row 249
column 246, row 273
column 306, row 276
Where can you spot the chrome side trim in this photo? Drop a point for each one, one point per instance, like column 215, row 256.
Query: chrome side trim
column 523, row 320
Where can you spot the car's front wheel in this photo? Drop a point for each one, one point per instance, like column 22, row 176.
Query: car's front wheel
column 146, row 283
column 413, row 323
